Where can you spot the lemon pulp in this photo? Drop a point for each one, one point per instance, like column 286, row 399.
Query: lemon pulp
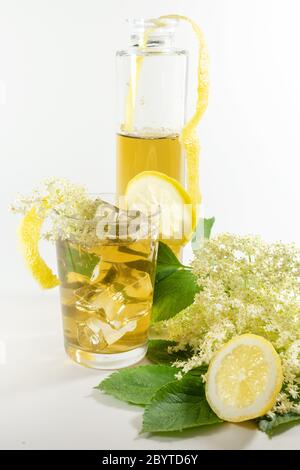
column 150, row 190
column 237, row 379
column 244, row 378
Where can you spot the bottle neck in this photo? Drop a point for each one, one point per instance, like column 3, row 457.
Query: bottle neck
column 152, row 34
column 150, row 41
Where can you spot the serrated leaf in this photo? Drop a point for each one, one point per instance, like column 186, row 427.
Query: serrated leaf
column 139, row 384
column 203, row 231
column 208, row 225
column 179, row 405
column 75, row 260
column 158, row 352
column 277, row 423
column 167, row 262
column 173, row 293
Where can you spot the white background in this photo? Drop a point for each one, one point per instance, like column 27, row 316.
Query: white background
column 57, row 111
column 57, row 117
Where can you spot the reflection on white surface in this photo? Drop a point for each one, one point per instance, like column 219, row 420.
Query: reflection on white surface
column 48, row 402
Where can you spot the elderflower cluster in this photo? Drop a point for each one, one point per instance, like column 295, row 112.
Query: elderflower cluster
column 247, row 286
column 68, row 208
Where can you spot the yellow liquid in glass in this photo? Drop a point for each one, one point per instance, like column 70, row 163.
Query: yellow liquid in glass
column 137, row 154
column 108, row 311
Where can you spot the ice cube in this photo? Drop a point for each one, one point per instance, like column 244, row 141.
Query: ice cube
column 127, row 298
column 142, row 248
column 90, row 339
column 127, row 252
column 109, row 300
column 110, row 334
column 124, row 275
column 134, row 311
column 141, row 288
column 104, row 272
column 85, row 297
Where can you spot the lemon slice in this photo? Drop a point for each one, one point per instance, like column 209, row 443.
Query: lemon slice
column 244, row 378
column 151, row 190
column 30, row 234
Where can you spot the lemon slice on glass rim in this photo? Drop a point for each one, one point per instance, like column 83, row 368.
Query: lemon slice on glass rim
column 151, row 189
column 244, row 378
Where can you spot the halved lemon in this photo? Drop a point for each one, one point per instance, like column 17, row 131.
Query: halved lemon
column 30, row 234
column 244, row 378
column 151, row 189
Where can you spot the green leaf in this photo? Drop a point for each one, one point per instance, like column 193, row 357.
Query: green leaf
column 141, row 265
column 173, row 293
column 278, row 422
column 139, row 384
column 179, row 405
column 208, row 225
column 158, row 352
column 203, row 230
column 79, row 261
column 167, row 262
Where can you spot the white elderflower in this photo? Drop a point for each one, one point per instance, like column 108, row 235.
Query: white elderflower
column 247, row 286
column 69, row 210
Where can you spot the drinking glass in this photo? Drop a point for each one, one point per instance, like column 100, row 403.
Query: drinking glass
column 106, row 269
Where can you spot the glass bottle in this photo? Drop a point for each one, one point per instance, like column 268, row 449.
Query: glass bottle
column 151, row 102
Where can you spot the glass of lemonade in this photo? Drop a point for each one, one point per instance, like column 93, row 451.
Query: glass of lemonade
column 106, row 287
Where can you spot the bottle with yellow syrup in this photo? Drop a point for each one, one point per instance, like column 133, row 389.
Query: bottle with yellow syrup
column 151, row 99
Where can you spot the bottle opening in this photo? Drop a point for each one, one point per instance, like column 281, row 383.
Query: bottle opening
column 152, row 32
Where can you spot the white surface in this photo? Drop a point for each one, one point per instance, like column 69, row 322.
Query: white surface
column 57, row 117
column 48, row 402
column 57, row 107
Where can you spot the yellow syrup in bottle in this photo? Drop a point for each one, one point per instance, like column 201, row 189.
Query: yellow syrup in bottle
column 141, row 153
